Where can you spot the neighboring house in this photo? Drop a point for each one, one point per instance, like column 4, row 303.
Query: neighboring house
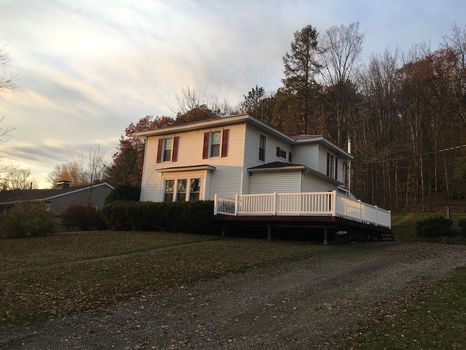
column 247, row 167
column 60, row 197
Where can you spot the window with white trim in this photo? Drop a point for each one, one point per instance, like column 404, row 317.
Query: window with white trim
column 168, row 190
column 181, row 189
column 214, row 148
column 194, row 189
column 167, row 149
column 282, row 154
column 262, row 144
column 331, row 166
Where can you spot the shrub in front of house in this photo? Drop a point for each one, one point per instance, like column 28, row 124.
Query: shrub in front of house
column 434, row 227
column 192, row 217
column 83, row 217
column 124, row 192
column 462, row 226
column 28, row 219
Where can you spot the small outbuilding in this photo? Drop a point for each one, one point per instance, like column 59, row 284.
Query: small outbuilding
column 61, row 196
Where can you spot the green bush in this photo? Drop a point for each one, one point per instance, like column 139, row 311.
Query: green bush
column 462, row 226
column 434, row 227
column 193, row 217
column 124, row 192
column 28, row 219
column 83, row 217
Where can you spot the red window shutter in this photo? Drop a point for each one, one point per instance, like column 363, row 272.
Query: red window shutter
column 290, row 157
column 205, row 147
column 278, row 151
column 159, row 151
column 225, row 136
column 176, row 140
column 336, row 168
column 328, row 164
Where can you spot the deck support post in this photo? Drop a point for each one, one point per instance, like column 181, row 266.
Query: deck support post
column 325, row 236
column 224, row 231
column 269, row 232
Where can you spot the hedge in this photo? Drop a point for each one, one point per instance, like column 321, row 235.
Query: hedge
column 83, row 217
column 27, row 219
column 192, row 217
column 434, row 227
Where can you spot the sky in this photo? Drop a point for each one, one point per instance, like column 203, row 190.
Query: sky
column 83, row 70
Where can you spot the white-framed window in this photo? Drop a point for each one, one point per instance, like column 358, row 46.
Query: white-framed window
column 182, row 189
column 214, row 144
column 262, row 145
column 168, row 190
column 331, row 166
column 167, row 149
column 194, row 189
column 282, row 154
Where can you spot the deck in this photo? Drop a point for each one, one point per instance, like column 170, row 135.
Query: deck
column 321, row 209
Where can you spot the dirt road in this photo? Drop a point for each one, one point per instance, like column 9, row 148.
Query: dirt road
column 313, row 303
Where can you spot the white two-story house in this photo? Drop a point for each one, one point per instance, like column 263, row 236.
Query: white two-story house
column 247, row 167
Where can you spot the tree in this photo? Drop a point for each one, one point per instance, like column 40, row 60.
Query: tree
column 16, row 178
column 197, row 113
column 252, row 102
column 5, row 84
column 72, row 171
column 126, row 168
column 341, row 48
column 301, row 67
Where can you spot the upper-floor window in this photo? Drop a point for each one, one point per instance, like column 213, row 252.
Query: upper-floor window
column 331, row 166
column 167, row 149
column 214, row 144
column 262, row 143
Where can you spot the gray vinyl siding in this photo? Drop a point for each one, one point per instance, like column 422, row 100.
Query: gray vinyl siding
column 225, row 181
column 98, row 196
column 311, row 183
column 251, row 155
column 277, row 181
column 307, row 154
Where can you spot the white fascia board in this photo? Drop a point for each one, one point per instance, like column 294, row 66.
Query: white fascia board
column 75, row 191
column 195, row 126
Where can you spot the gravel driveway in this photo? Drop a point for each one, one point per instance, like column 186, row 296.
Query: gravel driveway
column 312, row 303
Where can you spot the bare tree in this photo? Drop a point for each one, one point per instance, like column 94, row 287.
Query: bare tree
column 5, row 82
column 341, row 48
column 72, row 171
column 95, row 168
column 16, row 178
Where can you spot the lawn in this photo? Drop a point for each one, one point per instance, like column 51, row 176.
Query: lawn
column 435, row 320
column 54, row 275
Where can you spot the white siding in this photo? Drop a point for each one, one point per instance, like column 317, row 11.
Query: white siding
column 306, row 154
column 311, row 183
column 279, row 181
column 224, row 181
column 322, row 163
column 251, row 153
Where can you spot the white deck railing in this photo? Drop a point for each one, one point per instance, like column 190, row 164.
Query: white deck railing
column 305, row 203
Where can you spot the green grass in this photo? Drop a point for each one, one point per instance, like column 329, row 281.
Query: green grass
column 435, row 320
column 404, row 225
column 47, row 276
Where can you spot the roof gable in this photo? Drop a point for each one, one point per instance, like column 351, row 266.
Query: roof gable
column 43, row 194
